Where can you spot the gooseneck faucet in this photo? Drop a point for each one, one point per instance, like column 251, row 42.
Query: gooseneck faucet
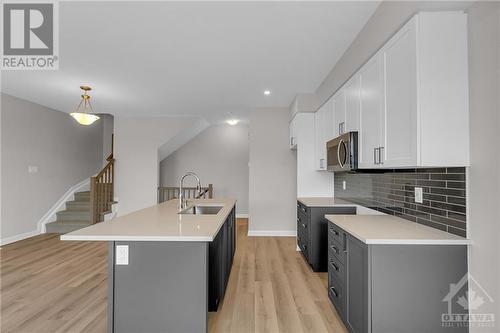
column 182, row 201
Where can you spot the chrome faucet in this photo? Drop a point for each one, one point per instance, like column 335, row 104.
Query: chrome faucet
column 182, row 201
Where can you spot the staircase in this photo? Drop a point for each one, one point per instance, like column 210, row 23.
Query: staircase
column 89, row 207
column 76, row 215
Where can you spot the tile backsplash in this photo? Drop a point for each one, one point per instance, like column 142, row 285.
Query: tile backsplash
column 393, row 192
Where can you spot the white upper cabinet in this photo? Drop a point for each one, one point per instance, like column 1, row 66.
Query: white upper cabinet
column 352, row 104
column 399, row 148
column 371, row 113
column 324, row 131
column 293, row 134
column 339, row 113
column 426, row 116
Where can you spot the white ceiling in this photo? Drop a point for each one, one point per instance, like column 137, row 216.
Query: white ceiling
column 199, row 58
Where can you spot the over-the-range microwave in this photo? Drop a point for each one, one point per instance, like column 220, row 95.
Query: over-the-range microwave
column 342, row 152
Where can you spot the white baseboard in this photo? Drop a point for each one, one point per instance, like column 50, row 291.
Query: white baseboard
column 241, row 216
column 12, row 239
column 50, row 216
column 272, row 233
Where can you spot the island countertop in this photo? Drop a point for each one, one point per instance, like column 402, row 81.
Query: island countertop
column 388, row 229
column 161, row 222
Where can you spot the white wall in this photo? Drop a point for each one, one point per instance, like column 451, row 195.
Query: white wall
column 219, row 155
column 484, row 182
column 137, row 141
column 484, row 172
column 273, row 168
column 64, row 152
column 107, row 135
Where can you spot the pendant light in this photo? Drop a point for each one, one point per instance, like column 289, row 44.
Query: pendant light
column 84, row 114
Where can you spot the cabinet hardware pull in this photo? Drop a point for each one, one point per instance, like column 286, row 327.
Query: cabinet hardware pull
column 303, row 225
column 375, row 156
column 335, row 232
column 334, row 249
column 334, row 266
column 380, row 155
column 334, row 292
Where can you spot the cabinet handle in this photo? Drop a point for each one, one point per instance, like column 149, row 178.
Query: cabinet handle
column 375, row 155
column 334, row 248
column 304, row 226
column 321, row 163
column 340, row 128
column 303, row 209
column 335, row 232
column 334, row 266
column 380, row 155
column 334, row 292
column 298, row 219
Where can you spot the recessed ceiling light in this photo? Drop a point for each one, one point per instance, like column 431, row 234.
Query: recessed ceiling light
column 231, row 119
column 267, row 92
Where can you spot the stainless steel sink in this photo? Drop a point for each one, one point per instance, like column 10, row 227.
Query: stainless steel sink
column 202, row 210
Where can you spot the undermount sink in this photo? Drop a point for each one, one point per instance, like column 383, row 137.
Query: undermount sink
column 202, row 210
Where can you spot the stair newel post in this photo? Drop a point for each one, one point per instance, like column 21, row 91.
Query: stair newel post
column 93, row 200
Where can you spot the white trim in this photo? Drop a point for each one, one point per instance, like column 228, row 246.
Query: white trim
column 241, row 216
column 12, row 239
column 50, row 216
column 272, row 233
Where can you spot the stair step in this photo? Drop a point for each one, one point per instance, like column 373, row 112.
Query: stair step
column 78, row 205
column 63, row 226
column 73, row 215
column 82, row 196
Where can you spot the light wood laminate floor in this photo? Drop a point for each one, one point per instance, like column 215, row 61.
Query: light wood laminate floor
column 52, row 286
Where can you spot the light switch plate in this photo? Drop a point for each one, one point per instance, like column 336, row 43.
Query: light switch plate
column 344, row 185
column 418, row 195
column 121, row 254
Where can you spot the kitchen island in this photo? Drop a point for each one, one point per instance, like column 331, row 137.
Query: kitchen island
column 166, row 270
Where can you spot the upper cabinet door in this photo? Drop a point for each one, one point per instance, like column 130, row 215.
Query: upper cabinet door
column 400, row 138
column 371, row 113
column 323, row 123
column 339, row 113
column 352, row 104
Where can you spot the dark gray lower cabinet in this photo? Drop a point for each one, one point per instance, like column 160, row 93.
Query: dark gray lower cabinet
column 312, row 232
column 221, row 254
column 392, row 288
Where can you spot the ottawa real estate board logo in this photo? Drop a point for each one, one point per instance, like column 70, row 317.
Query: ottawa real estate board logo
column 30, row 35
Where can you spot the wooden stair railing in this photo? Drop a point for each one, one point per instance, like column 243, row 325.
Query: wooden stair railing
column 171, row 192
column 101, row 191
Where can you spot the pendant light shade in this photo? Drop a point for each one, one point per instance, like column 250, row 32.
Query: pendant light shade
column 84, row 114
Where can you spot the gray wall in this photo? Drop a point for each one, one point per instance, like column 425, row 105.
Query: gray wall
column 219, row 155
column 484, row 41
column 66, row 153
column 273, row 171
column 136, row 154
column 484, row 173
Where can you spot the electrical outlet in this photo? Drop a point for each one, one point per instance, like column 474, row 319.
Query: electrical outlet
column 121, row 254
column 32, row 169
column 344, row 185
column 419, row 198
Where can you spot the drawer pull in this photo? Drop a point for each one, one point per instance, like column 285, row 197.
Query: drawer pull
column 303, row 209
column 334, row 248
column 334, row 266
column 335, row 293
column 335, row 232
column 305, row 247
column 298, row 219
column 304, row 226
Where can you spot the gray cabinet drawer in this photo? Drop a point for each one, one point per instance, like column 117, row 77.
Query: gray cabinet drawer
column 336, row 294
column 335, row 233
column 303, row 209
column 337, row 268
column 337, row 250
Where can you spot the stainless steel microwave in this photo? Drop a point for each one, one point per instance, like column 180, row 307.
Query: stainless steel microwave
column 342, row 152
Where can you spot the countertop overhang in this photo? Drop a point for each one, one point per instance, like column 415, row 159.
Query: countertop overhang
column 159, row 223
column 388, row 229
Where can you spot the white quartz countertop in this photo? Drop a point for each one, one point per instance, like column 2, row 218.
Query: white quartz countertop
column 388, row 229
column 159, row 223
column 324, row 202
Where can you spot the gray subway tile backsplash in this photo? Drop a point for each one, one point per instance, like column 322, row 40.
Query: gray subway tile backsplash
column 392, row 192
